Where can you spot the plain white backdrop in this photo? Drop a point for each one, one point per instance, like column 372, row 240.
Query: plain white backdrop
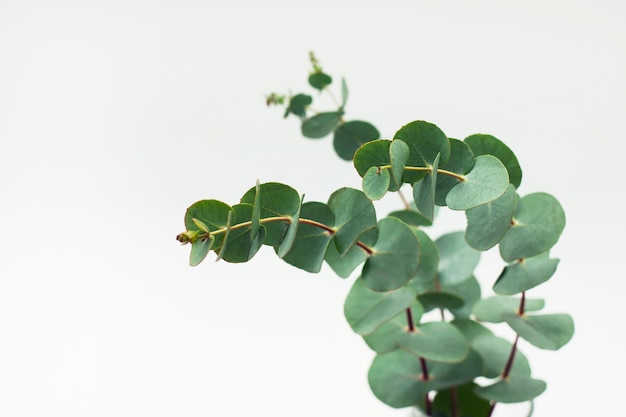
column 115, row 116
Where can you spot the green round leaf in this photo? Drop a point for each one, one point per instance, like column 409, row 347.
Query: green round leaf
column 444, row 375
column 366, row 310
column 376, row 182
column 372, row 154
column 537, row 225
column 525, row 274
column 461, row 162
column 548, row 331
column 276, row 200
column 298, row 104
column 487, row 181
column 349, row 136
column 457, row 259
column 240, row 247
column 387, row 336
column 437, row 341
column 344, row 265
column 320, row 125
column 425, row 142
column 471, row 329
column 411, row 217
column 395, row 257
column 354, row 214
column 311, row 242
column 199, row 250
column 493, row 309
column 512, row 390
column 439, row 299
column 468, row 291
column 319, row 80
column 395, row 378
column 495, row 352
column 487, row 223
column 426, row 274
column 212, row 214
column 489, row 145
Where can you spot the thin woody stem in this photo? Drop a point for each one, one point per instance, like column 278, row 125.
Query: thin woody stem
column 404, row 200
column 429, row 169
column 509, row 363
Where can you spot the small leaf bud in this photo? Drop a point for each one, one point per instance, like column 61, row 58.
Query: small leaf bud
column 189, row 236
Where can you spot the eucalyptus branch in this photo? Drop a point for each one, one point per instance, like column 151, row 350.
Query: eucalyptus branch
column 400, row 263
column 429, row 169
column 439, row 171
column 287, row 219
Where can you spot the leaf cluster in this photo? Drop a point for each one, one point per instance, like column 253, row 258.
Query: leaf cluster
column 429, row 361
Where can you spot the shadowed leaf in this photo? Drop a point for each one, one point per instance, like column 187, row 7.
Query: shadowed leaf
column 349, row 136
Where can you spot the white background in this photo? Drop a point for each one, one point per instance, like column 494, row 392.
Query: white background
column 115, row 116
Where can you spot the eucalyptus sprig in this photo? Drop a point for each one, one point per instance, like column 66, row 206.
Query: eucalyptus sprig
column 435, row 364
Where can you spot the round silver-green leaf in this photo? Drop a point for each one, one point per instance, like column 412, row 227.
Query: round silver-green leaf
column 436, row 341
column 457, row 260
column 489, row 145
column 387, row 336
column 495, row 352
column 366, row 310
column 311, row 242
column 487, row 181
column 395, row 256
column 525, row 274
column 344, row 265
column 487, row 223
column 494, row 308
column 321, row 124
column 515, row 389
column 376, row 183
column 396, row 379
column 354, row 214
column 426, row 275
column 538, row 223
column 349, row 137
column 548, row 331
column 275, row 200
column 425, row 141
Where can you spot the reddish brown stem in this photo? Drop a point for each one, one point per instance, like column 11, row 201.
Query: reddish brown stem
column 454, row 402
column 425, row 376
column 429, row 405
column 509, row 362
column 366, row 248
column 409, row 320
